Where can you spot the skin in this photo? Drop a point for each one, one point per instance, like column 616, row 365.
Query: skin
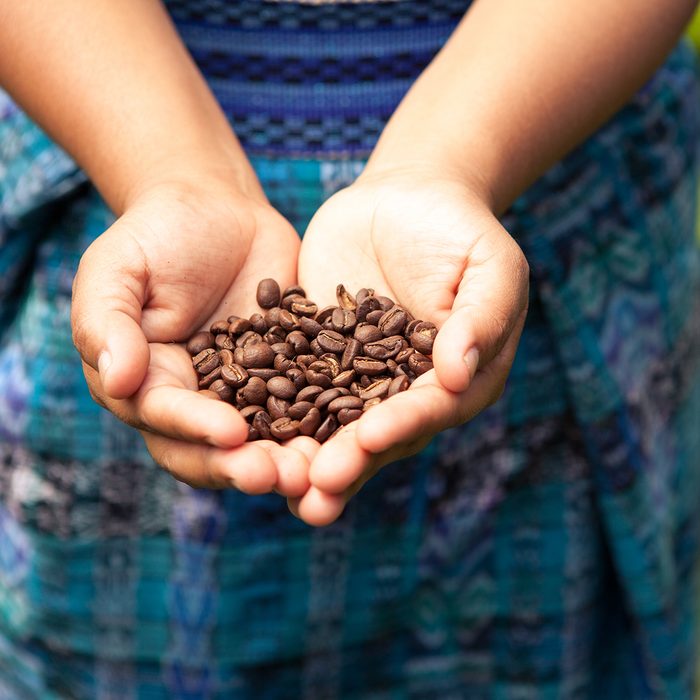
column 516, row 87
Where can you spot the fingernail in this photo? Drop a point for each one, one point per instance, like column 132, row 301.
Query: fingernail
column 471, row 360
column 103, row 363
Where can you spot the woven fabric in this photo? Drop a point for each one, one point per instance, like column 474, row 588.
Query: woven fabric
column 544, row 550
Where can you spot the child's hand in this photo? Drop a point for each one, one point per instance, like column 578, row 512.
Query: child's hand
column 173, row 263
column 436, row 249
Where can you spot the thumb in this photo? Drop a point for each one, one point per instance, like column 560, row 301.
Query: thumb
column 490, row 305
column 108, row 296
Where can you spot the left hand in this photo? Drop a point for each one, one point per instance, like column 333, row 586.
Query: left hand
column 432, row 245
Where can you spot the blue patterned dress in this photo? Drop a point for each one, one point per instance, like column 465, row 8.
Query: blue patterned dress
column 545, row 550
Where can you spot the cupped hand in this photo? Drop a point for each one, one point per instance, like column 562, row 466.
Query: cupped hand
column 176, row 260
column 432, row 244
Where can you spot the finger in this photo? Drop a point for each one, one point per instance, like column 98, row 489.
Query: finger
column 318, row 508
column 108, row 295
column 249, row 468
column 489, row 307
column 292, row 462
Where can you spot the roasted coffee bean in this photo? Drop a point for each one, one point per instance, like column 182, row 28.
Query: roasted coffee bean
column 268, row 293
column 310, row 422
column 391, row 366
column 257, row 355
column 274, row 335
column 254, row 392
column 304, row 307
column 323, row 367
column 249, row 411
column 317, row 378
column 226, row 357
column 282, row 388
column 219, row 327
column 410, row 327
column 207, row 379
column 398, row 383
column 323, row 399
column 316, row 348
column 345, row 299
column 253, row 434
column 297, row 376
column 237, row 326
column 309, row 393
column 235, row 375
column 305, row 360
column 284, row 349
column 325, row 314
column 261, row 422
column 331, row 341
column 333, row 363
column 206, row 361
column 272, row 317
column 423, row 337
column 403, row 355
column 299, row 409
column 367, row 333
column 344, row 402
column 385, row 348
column 277, row 407
column 343, row 320
column 344, row 379
column 248, row 338
column 289, row 321
column 200, row 341
column 257, row 324
column 282, row 363
column 289, row 299
column 378, row 389
column 223, row 342
column 326, row 429
column 348, row 415
column 366, row 380
column 352, row 350
column 265, row 373
column 298, row 342
column 284, row 428
column 419, row 363
column 355, row 388
column 294, row 289
column 368, row 366
column 225, row 392
column 310, row 327
column 385, row 303
column 393, row 321
column 374, row 317
column 363, row 293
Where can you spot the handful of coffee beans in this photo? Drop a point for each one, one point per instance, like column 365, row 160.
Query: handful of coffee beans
column 296, row 370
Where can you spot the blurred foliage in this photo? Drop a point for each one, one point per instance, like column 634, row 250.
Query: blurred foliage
column 694, row 29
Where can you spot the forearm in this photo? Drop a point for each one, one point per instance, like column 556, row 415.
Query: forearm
column 112, row 83
column 520, row 84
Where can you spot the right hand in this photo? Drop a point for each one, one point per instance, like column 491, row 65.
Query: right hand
column 179, row 258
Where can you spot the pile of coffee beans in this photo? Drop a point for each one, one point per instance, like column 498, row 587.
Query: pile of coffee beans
column 296, row 370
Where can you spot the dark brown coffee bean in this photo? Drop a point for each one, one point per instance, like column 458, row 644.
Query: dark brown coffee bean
column 393, row 321
column 297, row 376
column 207, row 379
column 272, row 317
column 344, row 379
column 363, row 293
column 323, row 367
column 265, row 373
column 294, row 289
column 310, row 327
column 324, row 315
column 277, row 407
column 200, row 341
column 209, row 394
column 317, row 378
column 368, row 366
column 352, row 350
column 403, row 355
column 282, row 388
column 238, row 326
column 235, row 375
column 299, row 409
column 385, row 303
column 226, row 357
column 276, row 334
column 323, row 399
column 333, row 363
column 365, row 307
column 375, row 390
column 326, row 429
column 374, row 317
column 343, row 320
column 304, row 307
column 206, row 361
column 423, row 337
column 371, row 402
column 257, row 324
column 223, row 342
column 261, row 422
column 289, row 321
column 305, row 360
column 391, row 366
column 344, row 402
column 254, row 392
column 249, row 411
column 399, row 383
column 355, row 388
column 410, row 327
column 331, row 341
column 348, row 415
column 268, row 293
column 253, row 434
column 345, row 299
column 298, row 342
column 257, row 355
column 310, row 422
column 248, row 338
column 289, row 299
column 284, row 428
column 367, row 333
column 309, row 393
column 220, row 326
column 282, row 363
column 385, row 348
column 225, row 392
column 316, row 348
column 365, row 381
column 284, row 349
column 419, row 363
